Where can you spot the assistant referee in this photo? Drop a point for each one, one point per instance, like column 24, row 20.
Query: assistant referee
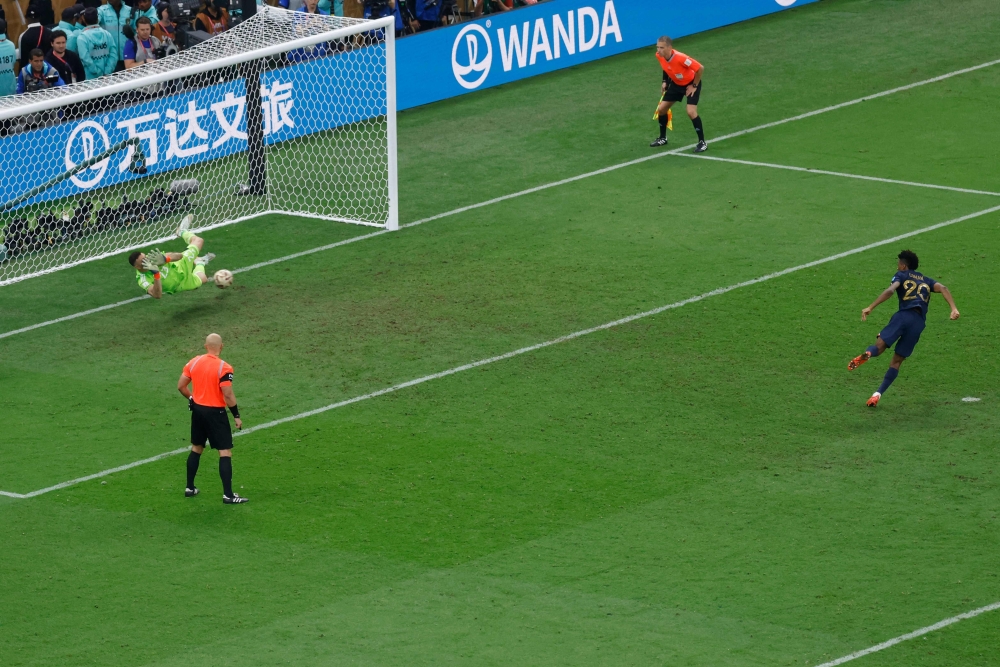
column 211, row 382
column 681, row 78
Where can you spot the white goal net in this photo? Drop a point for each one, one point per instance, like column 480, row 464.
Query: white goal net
column 286, row 113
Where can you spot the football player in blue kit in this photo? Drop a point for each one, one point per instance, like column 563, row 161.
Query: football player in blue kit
column 904, row 329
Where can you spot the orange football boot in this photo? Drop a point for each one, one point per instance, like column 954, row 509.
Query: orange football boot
column 873, row 401
column 858, row 360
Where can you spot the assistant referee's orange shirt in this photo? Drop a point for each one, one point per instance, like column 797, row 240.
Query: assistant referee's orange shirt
column 680, row 68
column 209, row 375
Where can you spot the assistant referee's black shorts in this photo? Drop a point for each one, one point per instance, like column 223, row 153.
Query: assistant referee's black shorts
column 676, row 93
column 211, row 424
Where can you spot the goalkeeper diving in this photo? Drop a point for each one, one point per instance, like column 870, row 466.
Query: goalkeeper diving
column 160, row 273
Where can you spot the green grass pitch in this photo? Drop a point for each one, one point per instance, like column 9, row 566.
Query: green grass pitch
column 699, row 487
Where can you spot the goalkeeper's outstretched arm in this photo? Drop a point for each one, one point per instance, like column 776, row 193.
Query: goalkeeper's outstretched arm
column 156, row 289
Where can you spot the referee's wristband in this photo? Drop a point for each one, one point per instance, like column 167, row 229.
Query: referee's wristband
column 235, row 409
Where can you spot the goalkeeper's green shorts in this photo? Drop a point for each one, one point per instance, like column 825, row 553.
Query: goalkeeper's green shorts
column 187, row 271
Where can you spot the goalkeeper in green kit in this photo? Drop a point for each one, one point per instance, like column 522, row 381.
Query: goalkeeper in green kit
column 161, row 273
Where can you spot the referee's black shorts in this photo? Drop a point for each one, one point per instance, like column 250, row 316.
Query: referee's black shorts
column 676, row 93
column 211, row 424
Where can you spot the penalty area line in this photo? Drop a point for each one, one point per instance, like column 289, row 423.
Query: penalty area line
column 539, row 188
column 911, row 635
column 531, row 348
column 841, row 174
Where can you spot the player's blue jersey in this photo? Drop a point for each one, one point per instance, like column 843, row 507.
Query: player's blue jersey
column 914, row 290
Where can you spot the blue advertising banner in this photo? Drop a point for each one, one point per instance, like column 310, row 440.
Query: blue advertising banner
column 190, row 127
column 514, row 45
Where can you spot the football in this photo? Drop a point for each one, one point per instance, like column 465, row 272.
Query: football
column 223, row 278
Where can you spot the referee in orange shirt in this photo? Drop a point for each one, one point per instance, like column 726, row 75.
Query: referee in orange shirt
column 211, row 382
column 681, row 77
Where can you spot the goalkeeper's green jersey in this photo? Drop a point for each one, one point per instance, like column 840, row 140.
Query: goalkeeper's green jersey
column 179, row 276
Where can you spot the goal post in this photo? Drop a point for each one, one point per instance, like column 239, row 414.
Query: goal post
column 286, row 113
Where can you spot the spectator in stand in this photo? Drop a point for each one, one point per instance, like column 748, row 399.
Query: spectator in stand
column 96, row 47
column 333, row 7
column 143, row 48
column 46, row 14
column 96, row 4
column 164, row 29
column 312, row 7
column 426, row 14
column 211, row 19
column 68, row 25
column 65, row 61
column 38, row 74
column 113, row 17
column 142, row 8
column 377, row 9
column 8, row 61
column 35, row 36
column 498, row 6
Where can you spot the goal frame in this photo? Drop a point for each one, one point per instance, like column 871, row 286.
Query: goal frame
column 72, row 95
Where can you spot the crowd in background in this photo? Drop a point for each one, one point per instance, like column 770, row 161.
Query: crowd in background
column 93, row 39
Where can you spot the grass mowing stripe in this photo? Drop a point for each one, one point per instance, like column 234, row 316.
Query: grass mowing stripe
column 824, row 172
column 912, row 635
column 841, row 105
column 540, row 188
column 531, row 348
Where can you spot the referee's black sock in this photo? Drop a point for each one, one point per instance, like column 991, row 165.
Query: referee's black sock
column 226, row 473
column 663, row 126
column 193, row 461
column 696, row 121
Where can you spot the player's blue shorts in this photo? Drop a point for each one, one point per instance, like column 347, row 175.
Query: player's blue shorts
column 904, row 327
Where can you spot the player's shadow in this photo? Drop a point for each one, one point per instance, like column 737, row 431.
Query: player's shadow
column 196, row 312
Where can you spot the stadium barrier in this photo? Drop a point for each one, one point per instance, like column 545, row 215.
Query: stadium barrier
column 501, row 48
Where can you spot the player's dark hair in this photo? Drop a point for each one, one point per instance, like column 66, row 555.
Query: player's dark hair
column 134, row 256
column 910, row 259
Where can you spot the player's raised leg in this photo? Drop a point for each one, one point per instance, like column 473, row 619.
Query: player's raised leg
column 871, row 351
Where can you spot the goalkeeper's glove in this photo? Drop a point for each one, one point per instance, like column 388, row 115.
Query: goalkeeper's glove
column 157, row 257
column 149, row 265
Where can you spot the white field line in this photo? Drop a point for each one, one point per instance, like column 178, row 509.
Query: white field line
column 912, row 635
column 529, row 191
column 824, row 172
column 530, row 348
column 873, row 96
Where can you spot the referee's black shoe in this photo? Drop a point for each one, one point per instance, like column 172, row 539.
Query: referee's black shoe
column 701, row 147
column 234, row 499
column 191, row 493
column 659, row 142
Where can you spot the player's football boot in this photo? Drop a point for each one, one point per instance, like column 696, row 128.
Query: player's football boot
column 191, row 493
column 185, row 225
column 858, row 360
column 873, row 401
column 701, row 147
column 204, row 259
column 234, row 499
column 658, row 143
